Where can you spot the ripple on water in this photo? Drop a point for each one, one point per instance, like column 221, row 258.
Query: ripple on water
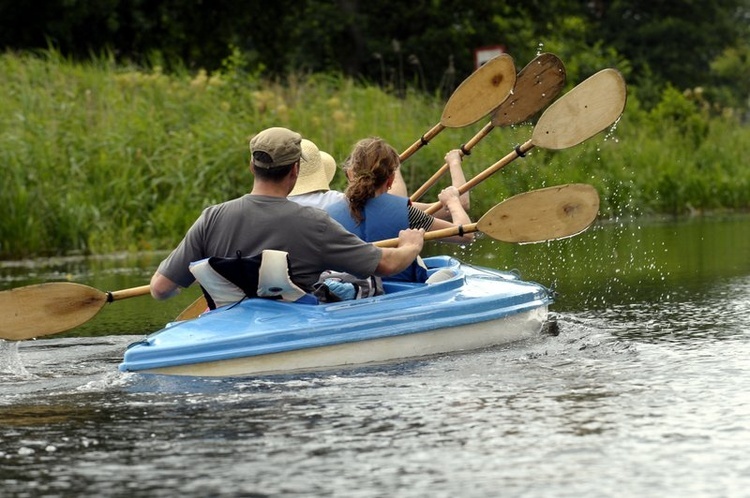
column 633, row 399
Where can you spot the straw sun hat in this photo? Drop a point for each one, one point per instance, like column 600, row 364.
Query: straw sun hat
column 316, row 169
column 330, row 165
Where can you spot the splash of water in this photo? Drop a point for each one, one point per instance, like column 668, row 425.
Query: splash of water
column 10, row 361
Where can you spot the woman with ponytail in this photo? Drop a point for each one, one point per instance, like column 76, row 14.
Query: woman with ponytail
column 373, row 214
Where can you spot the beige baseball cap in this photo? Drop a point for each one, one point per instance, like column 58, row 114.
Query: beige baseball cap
column 281, row 144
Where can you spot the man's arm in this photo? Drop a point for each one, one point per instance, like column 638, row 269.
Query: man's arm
column 396, row 259
column 162, row 287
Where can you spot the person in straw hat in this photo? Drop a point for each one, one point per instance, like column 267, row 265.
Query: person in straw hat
column 316, row 171
column 266, row 219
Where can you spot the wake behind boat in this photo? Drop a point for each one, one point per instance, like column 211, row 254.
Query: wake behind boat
column 464, row 308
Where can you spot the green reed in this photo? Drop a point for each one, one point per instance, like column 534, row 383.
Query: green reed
column 100, row 157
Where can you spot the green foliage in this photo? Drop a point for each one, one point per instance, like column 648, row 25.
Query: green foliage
column 673, row 42
column 731, row 71
column 100, row 157
column 685, row 118
column 422, row 44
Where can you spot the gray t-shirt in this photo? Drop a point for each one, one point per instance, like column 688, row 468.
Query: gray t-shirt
column 252, row 223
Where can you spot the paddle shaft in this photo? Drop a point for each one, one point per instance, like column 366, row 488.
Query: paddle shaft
column 465, row 150
column 435, row 234
column 128, row 293
column 424, row 140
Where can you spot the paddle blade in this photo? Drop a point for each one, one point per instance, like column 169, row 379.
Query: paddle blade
column 484, row 90
column 537, row 85
column 194, row 310
column 587, row 109
column 44, row 309
column 541, row 215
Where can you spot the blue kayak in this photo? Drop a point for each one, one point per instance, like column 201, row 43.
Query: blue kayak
column 466, row 308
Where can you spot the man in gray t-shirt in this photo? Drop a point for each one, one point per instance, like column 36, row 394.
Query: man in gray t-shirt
column 265, row 219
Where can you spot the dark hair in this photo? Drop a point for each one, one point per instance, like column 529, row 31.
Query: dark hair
column 372, row 162
column 274, row 174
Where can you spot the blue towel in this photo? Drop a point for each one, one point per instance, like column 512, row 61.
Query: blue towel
column 343, row 290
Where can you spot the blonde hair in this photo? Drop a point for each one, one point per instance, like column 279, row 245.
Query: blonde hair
column 371, row 162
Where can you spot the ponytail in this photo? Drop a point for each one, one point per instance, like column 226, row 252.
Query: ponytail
column 372, row 162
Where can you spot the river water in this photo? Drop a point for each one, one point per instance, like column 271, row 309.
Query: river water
column 643, row 393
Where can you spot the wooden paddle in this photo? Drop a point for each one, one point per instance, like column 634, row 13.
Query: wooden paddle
column 541, row 215
column 44, row 309
column 537, row 84
column 587, row 109
column 546, row 214
column 480, row 93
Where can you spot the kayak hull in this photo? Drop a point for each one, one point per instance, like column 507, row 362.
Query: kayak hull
column 474, row 308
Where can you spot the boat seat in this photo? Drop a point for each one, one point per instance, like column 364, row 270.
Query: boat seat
column 436, row 275
column 440, row 275
column 274, row 279
column 227, row 281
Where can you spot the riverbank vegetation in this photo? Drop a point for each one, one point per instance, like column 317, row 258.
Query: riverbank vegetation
column 99, row 156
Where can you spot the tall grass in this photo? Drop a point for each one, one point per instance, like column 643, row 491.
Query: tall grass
column 98, row 157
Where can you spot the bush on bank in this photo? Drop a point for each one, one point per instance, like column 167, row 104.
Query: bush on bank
column 99, row 157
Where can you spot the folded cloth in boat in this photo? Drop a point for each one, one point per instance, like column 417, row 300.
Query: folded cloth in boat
column 334, row 286
column 343, row 290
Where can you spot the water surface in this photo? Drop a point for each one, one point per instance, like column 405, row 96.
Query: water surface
column 643, row 392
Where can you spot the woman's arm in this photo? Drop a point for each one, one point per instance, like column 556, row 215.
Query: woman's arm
column 450, row 199
column 454, row 160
